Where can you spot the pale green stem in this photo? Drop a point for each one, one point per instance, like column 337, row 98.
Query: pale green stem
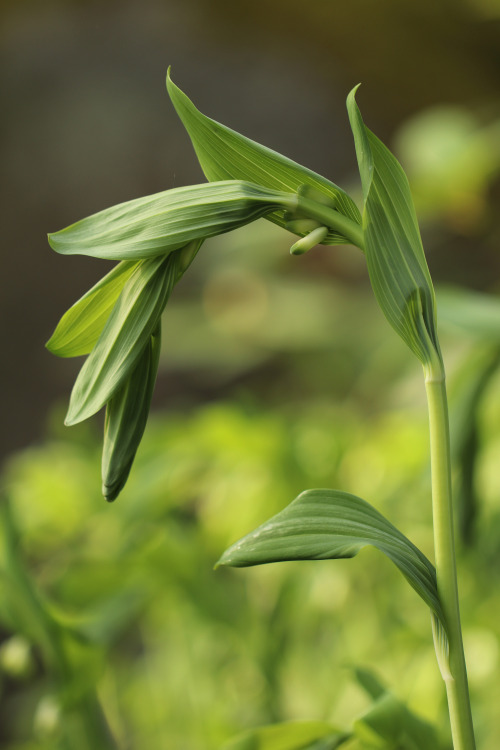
column 332, row 219
column 444, row 546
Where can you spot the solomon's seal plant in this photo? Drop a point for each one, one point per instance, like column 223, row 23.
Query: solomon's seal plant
column 118, row 325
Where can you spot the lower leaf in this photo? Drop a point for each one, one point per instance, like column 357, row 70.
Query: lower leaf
column 330, row 524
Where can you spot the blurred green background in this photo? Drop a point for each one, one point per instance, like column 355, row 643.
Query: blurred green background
column 278, row 373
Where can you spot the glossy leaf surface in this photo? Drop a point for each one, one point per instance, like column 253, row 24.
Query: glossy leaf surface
column 330, row 524
column 394, row 253
column 157, row 224
column 225, row 154
column 80, row 327
column 126, row 417
column 134, row 318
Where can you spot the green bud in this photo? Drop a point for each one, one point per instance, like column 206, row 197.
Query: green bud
column 309, row 241
column 126, row 417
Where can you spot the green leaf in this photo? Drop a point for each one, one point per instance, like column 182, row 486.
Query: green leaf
column 80, row 327
column 476, row 314
column 330, row 524
column 369, row 682
column 394, row 253
column 126, row 417
column 157, row 224
column 132, row 321
column 470, row 390
column 390, row 725
column 292, row 735
column 225, row 154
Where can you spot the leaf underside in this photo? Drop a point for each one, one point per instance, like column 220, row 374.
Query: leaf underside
column 80, row 327
column 132, row 321
column 157, row 224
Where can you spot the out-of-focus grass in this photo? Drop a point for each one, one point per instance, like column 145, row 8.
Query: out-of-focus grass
column 182, row 656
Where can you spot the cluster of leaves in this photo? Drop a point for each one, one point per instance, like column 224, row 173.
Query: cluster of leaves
column 156, row 238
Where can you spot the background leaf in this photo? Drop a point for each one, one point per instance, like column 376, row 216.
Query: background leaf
column 474, row 313
column 389, row 724
column 225, row 154
column 293, row 735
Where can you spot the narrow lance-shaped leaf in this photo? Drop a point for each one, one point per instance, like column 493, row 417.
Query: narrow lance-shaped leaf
column 157, row 224
column 394, row 253
column 330, row 524
column 80, row 327
column 126, row 417
column 134, row 318
column 225, row 154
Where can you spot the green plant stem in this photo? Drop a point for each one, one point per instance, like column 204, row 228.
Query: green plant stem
column 332, row 219
column 444, row 545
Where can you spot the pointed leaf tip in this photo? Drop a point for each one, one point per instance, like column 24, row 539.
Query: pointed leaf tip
column 395, row 257
column 226, row 154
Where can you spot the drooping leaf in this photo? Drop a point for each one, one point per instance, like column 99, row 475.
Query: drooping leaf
column 291, row 735
column 225, row 154
column 126, row 417
column 157, row 224
column 80, row 327
column 394, row 253
column 132, row 321
column 330, row 524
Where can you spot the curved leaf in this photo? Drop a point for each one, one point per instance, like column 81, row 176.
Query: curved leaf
column 225, row 154
column 330, row 524
column 126, row 417
column 157, row 224
column 132, row 321
column 80, row 327
column 394, row 253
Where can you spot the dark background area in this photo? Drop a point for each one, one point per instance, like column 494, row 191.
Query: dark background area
column 86, row 123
